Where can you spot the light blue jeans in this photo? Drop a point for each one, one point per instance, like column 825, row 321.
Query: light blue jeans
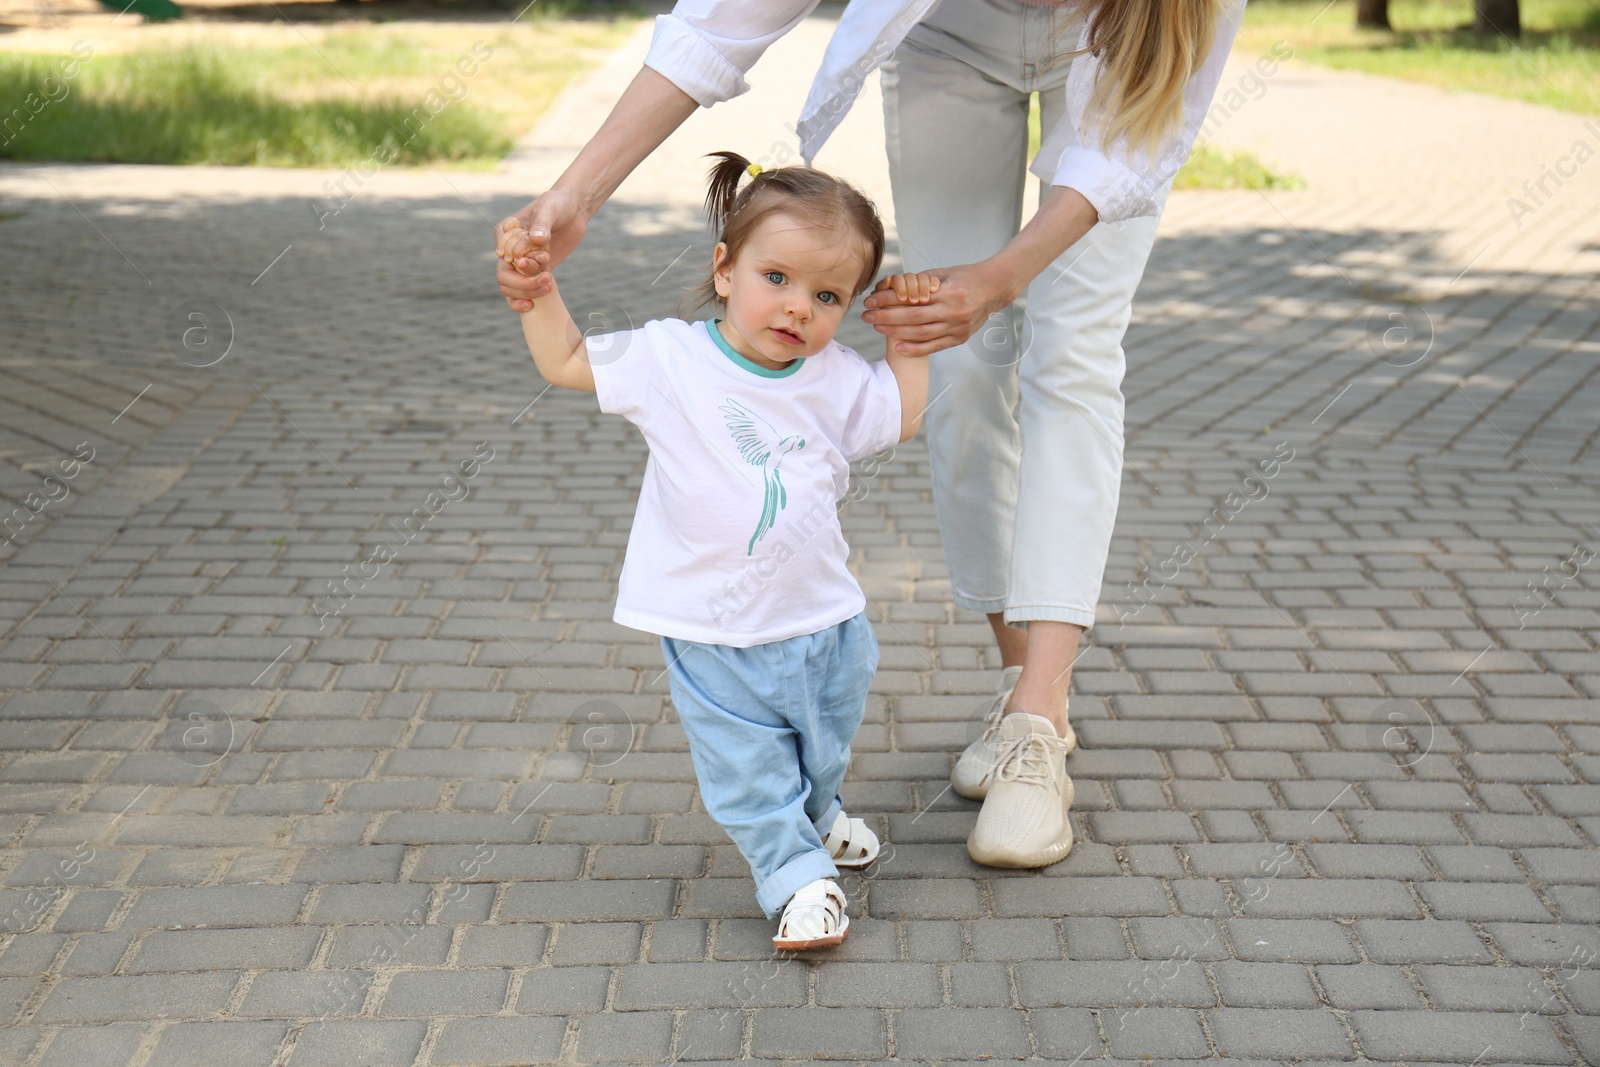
column 1025, row 422
column 769, row 731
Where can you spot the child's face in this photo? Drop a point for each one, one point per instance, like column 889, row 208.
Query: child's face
column 789, row 289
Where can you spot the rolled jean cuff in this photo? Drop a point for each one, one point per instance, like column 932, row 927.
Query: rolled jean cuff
column 983, row 606
column 784, row 882
column 1049, row 613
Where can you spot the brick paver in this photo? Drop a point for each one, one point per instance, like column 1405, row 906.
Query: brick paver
column 266, row 803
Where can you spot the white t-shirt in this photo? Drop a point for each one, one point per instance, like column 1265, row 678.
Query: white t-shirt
column 736, row 540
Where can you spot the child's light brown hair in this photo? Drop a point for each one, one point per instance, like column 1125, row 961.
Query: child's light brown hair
column 807, row 194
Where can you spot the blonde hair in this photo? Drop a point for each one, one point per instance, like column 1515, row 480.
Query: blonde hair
column 1148, row 51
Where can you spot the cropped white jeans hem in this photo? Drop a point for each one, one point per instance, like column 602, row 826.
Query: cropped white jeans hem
column 1045, row 613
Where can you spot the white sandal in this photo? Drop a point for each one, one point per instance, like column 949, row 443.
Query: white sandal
column 813, row 918
column 851, row 842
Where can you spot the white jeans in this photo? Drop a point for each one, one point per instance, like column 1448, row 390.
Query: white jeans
column 1025, row 419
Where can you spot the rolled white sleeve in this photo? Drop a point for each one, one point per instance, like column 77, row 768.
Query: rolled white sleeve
column 706, row 47
column 1120, row 182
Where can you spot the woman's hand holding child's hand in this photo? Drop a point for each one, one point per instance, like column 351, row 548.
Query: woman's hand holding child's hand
column 967, row 297
column 513, row 242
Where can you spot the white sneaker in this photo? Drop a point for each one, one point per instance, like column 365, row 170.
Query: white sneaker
column 1008, row 679
column 970, row 776
column 1024, row 820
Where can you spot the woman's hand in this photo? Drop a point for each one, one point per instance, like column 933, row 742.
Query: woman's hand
column 945, row 316
column 533, row 241
column 971, row 293
column 649, row 109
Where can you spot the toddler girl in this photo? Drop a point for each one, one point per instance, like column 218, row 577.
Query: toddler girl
column 736, row 557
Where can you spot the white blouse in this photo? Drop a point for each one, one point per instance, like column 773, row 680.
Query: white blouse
column 705, row 47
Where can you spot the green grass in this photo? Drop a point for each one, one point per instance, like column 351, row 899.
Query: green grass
column 264, row 95
column 1206, row 167
column 195, row 106
column 1214, row 168
column 1556, row 63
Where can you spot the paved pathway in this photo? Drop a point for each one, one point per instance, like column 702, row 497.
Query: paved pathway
column 1337, row 789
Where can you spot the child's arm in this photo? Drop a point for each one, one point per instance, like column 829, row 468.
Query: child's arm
column 554, row 340
column 911, row 372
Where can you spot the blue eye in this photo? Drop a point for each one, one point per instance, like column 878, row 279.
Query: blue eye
column 827, row 298
column 775, row 277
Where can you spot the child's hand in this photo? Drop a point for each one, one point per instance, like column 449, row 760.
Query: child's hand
column 515, row 241
column 912, row 288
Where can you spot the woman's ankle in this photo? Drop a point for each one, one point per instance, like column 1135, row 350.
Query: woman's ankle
column 1041, row 698
column 1012, row 641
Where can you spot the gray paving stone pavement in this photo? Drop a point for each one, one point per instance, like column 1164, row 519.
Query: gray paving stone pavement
column 263, row 802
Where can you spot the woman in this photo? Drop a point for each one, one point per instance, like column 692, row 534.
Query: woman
column 1027, row 446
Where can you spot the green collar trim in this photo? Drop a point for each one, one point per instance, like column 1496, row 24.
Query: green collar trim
column 753, row 368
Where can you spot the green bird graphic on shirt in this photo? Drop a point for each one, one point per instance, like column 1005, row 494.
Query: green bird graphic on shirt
column 761, row 446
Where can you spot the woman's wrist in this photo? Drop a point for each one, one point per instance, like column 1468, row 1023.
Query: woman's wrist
column 1004, row 278
column 650, row 109
column 587, row 184
column 588, row 192
column 1064, row 216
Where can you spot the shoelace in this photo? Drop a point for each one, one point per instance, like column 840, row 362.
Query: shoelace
column 993, row 717
column 1026, row 759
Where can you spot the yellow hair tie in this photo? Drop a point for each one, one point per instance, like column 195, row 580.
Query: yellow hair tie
column 754, row 169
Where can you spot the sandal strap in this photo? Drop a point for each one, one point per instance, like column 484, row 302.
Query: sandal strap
column 826, row 896
column 848, row 840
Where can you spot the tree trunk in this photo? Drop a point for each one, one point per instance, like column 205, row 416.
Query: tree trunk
column 1372, row 14
column 1502, row 16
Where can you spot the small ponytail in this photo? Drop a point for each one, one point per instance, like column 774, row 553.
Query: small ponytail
column 724, row 187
